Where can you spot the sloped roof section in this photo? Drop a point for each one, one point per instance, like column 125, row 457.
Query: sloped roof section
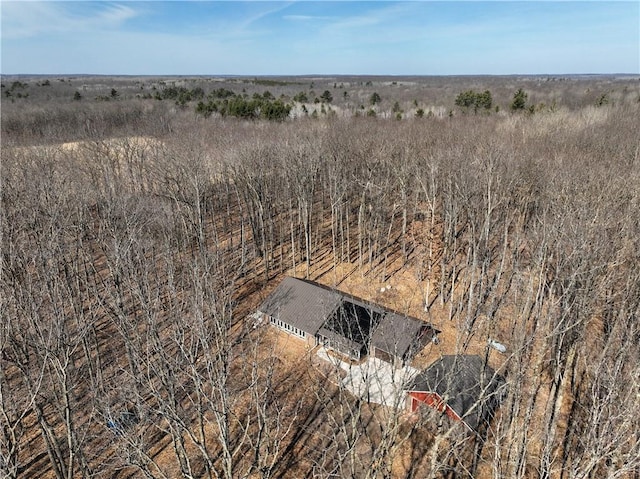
column 399, row 334
column 469, row 387
column 302, row 304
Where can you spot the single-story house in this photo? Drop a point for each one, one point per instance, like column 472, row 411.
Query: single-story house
column 342, row 322
column 463, row 387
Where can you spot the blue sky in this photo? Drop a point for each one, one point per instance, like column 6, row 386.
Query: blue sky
column 307, row 37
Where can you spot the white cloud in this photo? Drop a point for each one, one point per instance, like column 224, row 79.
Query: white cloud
column 247, row 24
column 385, row 15
column 115, row 15
column 29, row 19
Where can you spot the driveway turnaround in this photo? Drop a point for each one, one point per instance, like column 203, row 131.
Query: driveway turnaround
column 374, row 380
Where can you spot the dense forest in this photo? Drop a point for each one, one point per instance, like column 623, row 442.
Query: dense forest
column 144, row 220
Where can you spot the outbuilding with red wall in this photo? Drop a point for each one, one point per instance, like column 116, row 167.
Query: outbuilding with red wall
column 461, row 386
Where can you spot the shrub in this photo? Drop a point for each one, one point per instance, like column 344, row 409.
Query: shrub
column 519, row 100
column 326, row 97
column 477, row 100
column 301, row 97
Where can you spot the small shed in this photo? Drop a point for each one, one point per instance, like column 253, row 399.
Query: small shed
column 463, row 387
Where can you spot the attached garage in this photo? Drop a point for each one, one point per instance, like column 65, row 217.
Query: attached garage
column 399, row 337
column 383, row 355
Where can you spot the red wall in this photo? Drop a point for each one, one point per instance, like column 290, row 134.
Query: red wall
column 432, row 400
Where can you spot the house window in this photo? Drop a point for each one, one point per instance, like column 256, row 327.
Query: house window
column 288, row 328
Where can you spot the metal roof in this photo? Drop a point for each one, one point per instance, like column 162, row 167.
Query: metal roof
column 466, row 384
column 398, row 334
column 302, row 304
column 310, row 306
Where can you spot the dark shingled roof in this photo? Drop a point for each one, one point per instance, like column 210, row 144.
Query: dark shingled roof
column 313, row 308
column 468, row 386
column 398, row 334
column 302, row 304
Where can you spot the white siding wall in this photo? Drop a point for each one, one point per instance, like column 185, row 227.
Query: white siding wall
column 288, row 328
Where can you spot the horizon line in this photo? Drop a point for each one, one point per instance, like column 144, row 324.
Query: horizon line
column 327, row 75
